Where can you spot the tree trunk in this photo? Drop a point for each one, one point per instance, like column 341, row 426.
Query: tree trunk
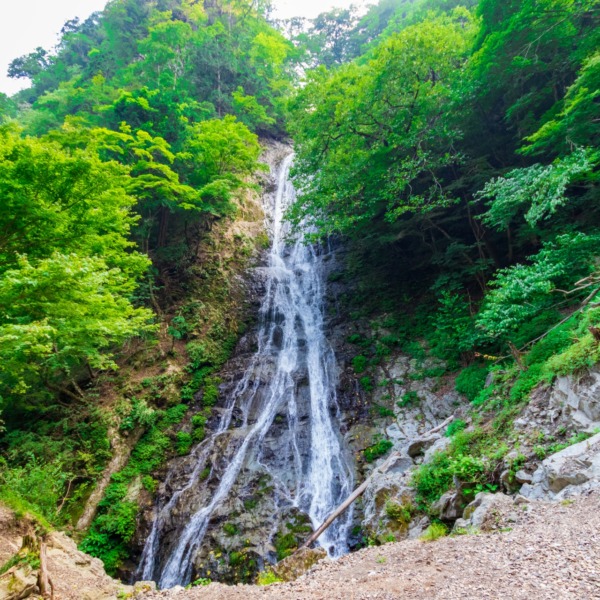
column 44, row 581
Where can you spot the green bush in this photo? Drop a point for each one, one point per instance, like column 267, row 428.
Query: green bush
column 399, row 511
column 454, row 427
column 360, row 363
column 41, row 486
column 230, row 529
column 183, row 443
column 366, row 383
column 471, row 381
column 267, row 578
column 526, row 381
column 285, row 544
column 383, row 411
column 379, row 448
column 408, row 399
column 434, row 532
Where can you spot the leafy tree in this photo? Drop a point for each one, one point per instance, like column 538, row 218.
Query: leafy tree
column 61, row 314
column 578, row 122
column 371, row 138
column 68, row 269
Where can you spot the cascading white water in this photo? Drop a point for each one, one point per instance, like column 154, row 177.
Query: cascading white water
column 291, row 343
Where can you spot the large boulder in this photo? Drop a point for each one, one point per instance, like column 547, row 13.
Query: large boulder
column 568, row 472
column 450, row 506
column 18, row 583
column 485, row 512
column 297, row 564
column 580, row 399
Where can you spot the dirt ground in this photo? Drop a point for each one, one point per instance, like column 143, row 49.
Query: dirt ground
column 546, row 551
column 551, row 552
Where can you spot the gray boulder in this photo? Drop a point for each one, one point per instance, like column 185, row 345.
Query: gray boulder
column 567, row 473
column 450, row 506
column 485, row 512
column 580, row 399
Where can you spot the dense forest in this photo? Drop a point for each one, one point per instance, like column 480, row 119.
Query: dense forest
column 452, row 146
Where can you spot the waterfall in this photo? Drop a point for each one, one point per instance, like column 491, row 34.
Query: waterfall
column 291, row 347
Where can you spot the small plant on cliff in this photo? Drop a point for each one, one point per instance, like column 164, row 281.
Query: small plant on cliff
column 230, row 529
column 408, row 399
column 360, row 363
column 454, row 427
column 198, row 582
column 434, row 532
column 380, row 447
column 366, row 383
column 383, row 411
column 399, row 511
column 267, row 578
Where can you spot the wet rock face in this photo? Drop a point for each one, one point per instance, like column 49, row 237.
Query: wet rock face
column 243, row 497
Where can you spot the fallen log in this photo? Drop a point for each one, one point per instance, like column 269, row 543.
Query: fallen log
column 359, row 491
column 346, row 503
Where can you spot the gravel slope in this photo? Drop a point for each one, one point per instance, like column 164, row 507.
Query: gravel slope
column 552, row 552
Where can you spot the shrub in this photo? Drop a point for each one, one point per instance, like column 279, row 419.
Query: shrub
column 40, row 486
column 183, row 443
column 211, row 391
column 399, row 511
column 471, row 381
column 434, row 532
column 526, row 381
column 230, row 529
column 379, row 448
column 366, row 383
column 360, row 363
column 285, row 544
column 267, row 578
column 454, row 427
column 383, row 411
column 408, row 399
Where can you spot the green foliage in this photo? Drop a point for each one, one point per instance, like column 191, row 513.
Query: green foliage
column 468, row 459
column 400, row 512
column 366, row 383
column 202, row 582
column 454, row 427
column 452, row 331
column 37, row 486
column 230, row 529
column 360, row 363
column 183, row 443
column 383, row 411
column 380, row 447
column 576, row 124
column 67, row 269
column 434, row 532
column 267, row 578
column 390, row 136
column 285, row 544
column 538, row 191
column 521, row 292
column 408, row 400
column 470, row 381
column 114, row 526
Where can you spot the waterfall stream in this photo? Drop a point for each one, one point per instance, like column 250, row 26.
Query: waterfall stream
column 316, row 474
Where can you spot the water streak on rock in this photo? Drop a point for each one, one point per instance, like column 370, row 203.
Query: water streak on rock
column 292, row 348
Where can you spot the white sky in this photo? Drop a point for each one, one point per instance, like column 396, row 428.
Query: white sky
column 27, row 24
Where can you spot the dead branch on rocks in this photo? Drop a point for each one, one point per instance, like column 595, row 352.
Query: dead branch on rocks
column 361, row 488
